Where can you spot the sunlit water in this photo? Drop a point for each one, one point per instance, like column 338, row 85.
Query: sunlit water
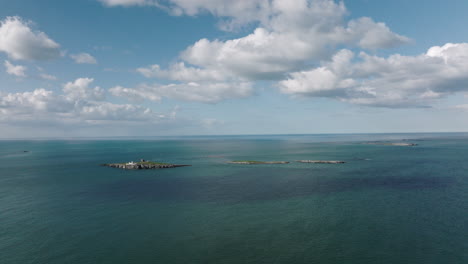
column 387, row 204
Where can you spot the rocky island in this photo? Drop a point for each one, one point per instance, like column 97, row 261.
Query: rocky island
column 322, row 161
column 143, row 165
column 249, row 162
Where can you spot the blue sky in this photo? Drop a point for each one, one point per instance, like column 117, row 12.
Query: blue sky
column 189, row 67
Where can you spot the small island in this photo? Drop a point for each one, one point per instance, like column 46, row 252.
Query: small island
column 322, row 161
column 399, row 144
column 250, row 162
column 143, row 165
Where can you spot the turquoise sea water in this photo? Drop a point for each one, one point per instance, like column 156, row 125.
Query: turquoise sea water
column 387, row 204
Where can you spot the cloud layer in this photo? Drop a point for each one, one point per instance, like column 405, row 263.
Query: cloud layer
column 300, row 48
column 289, row 37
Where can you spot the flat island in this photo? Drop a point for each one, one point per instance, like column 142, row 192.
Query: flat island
column 249, row 162
column 400, row 144
column 143, row 165
column 322, row 161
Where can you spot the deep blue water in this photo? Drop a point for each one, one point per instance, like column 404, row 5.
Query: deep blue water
column 387, row 204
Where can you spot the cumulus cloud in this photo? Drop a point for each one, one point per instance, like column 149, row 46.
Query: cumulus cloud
column 269, row 54
column 112, row 3
column 396, row 81
column 83, row 58
column 16, row 70
column 27, row 102
column 136, row 94
column 463, row 107
column 20, row 42
column 236, row 13
column 181, row 72
column 198, row 92
column 79, row 89
column 289, row 36
column 77, row 104
column 371, row 35
column 48, row 77
column 116, row 112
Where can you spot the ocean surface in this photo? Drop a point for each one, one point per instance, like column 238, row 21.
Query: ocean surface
column 387, row 204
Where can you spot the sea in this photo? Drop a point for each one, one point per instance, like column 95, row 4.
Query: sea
column 386, row 204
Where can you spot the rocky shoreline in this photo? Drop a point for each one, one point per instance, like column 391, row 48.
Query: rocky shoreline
column 143, row 166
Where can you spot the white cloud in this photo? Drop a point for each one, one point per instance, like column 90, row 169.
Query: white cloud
column 180, row 72
column 269, row 54
column 49, row 77
column 463, row 107
column 135, row 94
column 289, row 36
column 210, row 123
column 112, row 3
column 198, row 92
column 116, row 112
column 17, row 70
column 371, row 35
column 25, row 102
column 71, row 107
column 20, row 42
column 83, row 58
column 235, row 12
column 396, row 81
column 80, row 110
column 79, row 89
column 260, row 55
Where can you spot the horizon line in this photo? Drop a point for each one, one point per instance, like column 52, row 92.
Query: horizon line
column 220, row 135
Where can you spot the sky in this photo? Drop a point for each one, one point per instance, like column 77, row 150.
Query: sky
column 106, row 68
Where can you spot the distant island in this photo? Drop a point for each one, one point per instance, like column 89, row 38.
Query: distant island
column 257, row 162
column 401, row 144
column 143, row 165
column 322, row 161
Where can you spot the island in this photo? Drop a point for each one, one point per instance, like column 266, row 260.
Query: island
column 250, row 162
column 322, row 161
column 143, row 165
column 400, row 144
